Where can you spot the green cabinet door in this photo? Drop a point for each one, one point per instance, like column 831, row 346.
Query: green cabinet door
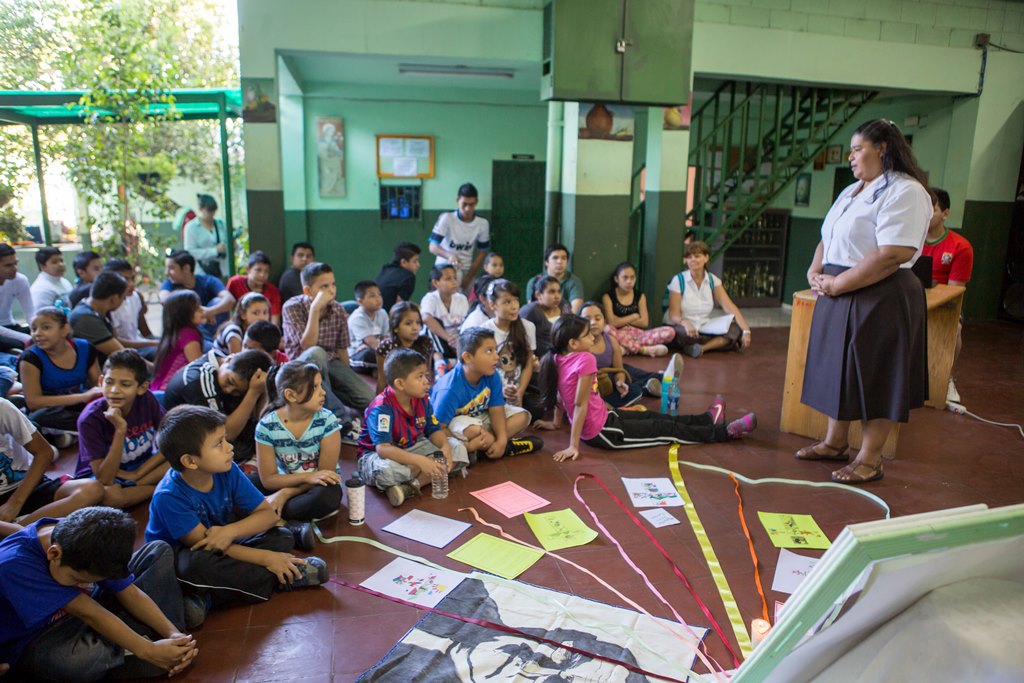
column 580, row 61
column 634, row 51
column 656, row 61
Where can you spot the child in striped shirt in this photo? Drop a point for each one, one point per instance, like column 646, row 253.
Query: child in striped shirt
column 298, row 443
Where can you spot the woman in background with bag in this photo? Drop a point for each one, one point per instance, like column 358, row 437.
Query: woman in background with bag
column 205, row 238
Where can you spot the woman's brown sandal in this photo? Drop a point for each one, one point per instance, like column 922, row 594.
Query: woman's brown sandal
column 873, row 473
column 813, row 453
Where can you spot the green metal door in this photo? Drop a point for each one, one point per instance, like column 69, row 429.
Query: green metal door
column 517, row 218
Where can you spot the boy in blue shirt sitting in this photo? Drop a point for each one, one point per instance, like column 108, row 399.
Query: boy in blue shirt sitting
column 227, row 539
column 470, row 401
column 400, row 432
column 52, row 629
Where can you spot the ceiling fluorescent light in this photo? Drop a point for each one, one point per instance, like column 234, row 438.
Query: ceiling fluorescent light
column 459, row 70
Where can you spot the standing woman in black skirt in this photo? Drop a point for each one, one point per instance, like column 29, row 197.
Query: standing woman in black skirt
column 867, row 353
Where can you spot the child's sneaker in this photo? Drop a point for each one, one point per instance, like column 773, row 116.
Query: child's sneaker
column 196, row 609
column 398, row 493
column 350, row 432
column 654, row 350
column 737, row 429
column 303, row 534
column 675, row 366
column 520, row 445
column 314, row 573
column 653, row 387
column 717, row 410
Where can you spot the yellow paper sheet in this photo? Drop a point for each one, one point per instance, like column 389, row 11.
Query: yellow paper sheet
column 793, row 531
column 559, row 529
column 496, row 555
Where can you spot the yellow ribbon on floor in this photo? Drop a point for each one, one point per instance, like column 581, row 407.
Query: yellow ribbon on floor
column 739, row 627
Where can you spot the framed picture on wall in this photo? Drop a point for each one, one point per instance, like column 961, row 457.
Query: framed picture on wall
column 803, row 190
column 330, row 156
column 834, row 155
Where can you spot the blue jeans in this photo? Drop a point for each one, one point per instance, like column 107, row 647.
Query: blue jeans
column 71, row 651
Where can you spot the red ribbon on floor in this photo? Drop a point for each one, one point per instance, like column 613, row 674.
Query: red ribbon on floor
column 678, row 572
column 507, row 629
column 753, row 555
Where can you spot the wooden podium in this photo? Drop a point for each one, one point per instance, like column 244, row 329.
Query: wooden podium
column 944, row 303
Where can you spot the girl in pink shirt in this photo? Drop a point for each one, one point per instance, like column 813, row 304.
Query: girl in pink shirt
column 182, row 342
column 568, row 375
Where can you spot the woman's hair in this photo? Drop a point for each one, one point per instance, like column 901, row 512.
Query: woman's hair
column 179, row 310
column 56, row 314
column 480, row 290
column 612, row 286
column 697, row 247
column 541, row 283
column 207, row 202
column 588, row 304
column 517, row 340
column 398, row 312
column 244, row 303
column 297, row 375
column 563, row 331
column 898, row 156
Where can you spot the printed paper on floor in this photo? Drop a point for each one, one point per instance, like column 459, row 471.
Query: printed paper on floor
column 496, row 555
column 424, row 527
column 659, row 517
column 791, row 570
column 510, row 499
column 414, row 582
column 793, row 531
column 559, row 529
column 653, row 492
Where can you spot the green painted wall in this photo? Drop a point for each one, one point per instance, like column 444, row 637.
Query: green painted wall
column 987, row 228
column 471, row 128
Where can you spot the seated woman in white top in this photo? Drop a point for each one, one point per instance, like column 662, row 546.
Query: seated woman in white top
column 692, row 295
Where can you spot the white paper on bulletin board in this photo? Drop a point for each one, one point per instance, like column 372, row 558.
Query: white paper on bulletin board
column 391, row 147
column 405, row 167
column 417, row 147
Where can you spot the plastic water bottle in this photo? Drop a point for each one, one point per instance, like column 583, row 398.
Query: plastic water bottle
column 356, row 500
column 670, row 390
column 439, row 482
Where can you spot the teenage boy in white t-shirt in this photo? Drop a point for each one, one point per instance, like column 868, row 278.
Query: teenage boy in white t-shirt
column 457, row 233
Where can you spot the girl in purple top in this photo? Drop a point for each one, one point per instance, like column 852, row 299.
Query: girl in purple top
column 608, row 353
column 568, row 376
column 182, row 342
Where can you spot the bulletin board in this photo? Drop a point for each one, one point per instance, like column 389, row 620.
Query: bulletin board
column 405, row 156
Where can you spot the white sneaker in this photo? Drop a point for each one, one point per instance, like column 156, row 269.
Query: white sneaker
column 952, row 395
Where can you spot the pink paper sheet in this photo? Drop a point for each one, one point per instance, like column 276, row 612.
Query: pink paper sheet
column 510, row 499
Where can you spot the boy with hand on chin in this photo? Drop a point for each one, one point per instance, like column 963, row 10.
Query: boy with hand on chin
column 117, row 433
column 400, row 432
column 470, row 401
column 53, row 630
column 316, row 330
column 226, row 536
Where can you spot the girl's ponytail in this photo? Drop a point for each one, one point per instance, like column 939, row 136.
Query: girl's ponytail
column 297, row 375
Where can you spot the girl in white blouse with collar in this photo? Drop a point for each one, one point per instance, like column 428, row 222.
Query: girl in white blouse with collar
column 867, row 353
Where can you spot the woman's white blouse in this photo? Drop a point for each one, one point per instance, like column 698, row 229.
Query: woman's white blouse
column 697, row 303
column 857, row 226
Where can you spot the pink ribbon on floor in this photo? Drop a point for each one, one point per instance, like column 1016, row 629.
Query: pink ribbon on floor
column 708, row 661
column 678, row 572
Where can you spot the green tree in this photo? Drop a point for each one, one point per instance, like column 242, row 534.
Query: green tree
column 124, row 54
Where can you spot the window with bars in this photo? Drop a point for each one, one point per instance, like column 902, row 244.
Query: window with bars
column 400, row 202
